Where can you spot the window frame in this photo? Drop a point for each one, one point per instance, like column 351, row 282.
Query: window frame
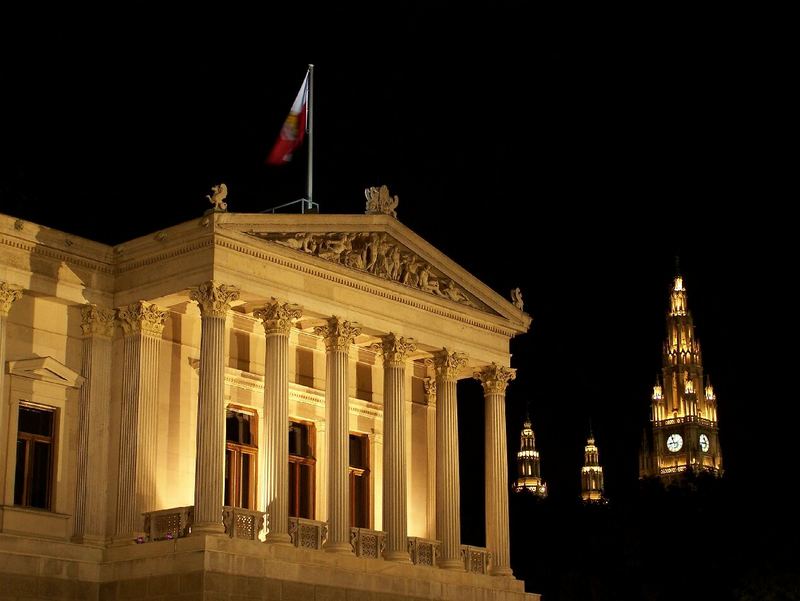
column 234, row 451
column 30, row 439
column 295, row 466
column 359, row 476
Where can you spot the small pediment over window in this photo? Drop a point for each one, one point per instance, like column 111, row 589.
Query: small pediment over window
column 46, row 369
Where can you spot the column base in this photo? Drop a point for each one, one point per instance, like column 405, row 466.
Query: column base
column 208, row 528
column 451, row 564
column 343, row 548
column 398, row 556
column 502, row 572
column 278, row 538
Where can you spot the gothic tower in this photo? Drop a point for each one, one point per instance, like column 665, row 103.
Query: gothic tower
column 683, row 410
column 529, row 478
column 592, row 474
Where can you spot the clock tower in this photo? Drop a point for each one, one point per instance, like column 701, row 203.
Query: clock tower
column 684, row 407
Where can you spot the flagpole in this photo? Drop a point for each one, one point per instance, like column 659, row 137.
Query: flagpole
column 310, row 132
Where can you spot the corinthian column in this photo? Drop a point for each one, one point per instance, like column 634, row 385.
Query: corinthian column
column 209, row 481
column 277, row 318
column 338, row 335
column 494, row 379
column 448, row 498
column 395, row 350
column 90, row 494
column 142, row 324
column 8, row 295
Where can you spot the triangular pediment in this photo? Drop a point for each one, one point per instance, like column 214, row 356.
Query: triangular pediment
column 378, row 246
column 46, row 369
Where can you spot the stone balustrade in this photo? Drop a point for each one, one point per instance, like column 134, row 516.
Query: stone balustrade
column 476, row 559
column 423, row 551
column 168, row 523
column 307, row 534
column 368, row 543
column 242, row 523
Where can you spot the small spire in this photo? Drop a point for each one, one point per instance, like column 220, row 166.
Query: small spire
column 591, row 433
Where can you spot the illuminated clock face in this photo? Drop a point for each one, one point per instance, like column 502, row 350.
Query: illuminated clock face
column 704, row 443
column 674, row 442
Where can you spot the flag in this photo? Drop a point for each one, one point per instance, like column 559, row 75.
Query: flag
column 293, row 130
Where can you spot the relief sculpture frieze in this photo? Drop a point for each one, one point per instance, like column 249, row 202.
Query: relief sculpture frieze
column 378, row 254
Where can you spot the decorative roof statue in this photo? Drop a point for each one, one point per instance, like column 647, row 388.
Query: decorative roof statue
column 516, row 298
column 218, row 196
column 379, row 201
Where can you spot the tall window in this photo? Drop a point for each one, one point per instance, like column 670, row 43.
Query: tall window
column 241, row 458
column 359, row 481
column 33, row 476
column 301, row 470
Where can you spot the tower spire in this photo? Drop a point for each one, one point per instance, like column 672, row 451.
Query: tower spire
column 592, row 473
column 529, row 477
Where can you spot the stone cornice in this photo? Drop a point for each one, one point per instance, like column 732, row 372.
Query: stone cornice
column 97, row 321
column 339, row 334
column 448, row 364
column 144, row 317
column 8, row 295
column 495, row 378
column 394, row 349
column 278, row 317
column 214, row 298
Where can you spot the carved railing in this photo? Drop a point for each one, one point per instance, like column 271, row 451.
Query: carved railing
column 367, row 543
column 423, row 551
column 476, row 559
column 242, row 523
column 307, row 534
column 166, row 524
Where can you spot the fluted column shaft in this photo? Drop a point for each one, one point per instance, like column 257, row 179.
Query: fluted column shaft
column 8, row 295
column 277, row 318
column 143, row 324
column 209, row 483
column 495, row 379
column 448, row 496
column 395, row 351
column 338, row 335
column 93, row 425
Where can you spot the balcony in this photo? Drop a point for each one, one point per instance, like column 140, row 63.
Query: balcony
column 307, row 534
column 368, row 543
column 423, row 551
column 167, row 524
column 476, row 559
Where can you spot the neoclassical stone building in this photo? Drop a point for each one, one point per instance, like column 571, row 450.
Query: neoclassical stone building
column 247, row 406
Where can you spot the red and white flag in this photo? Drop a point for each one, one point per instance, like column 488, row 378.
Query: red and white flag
column 293, row 130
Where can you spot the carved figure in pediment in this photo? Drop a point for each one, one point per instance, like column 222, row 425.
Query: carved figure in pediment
column 375, row 249
column 380, row 201
column 452, row 292
column 395, row 263
column 410, row 276
column 334, row 245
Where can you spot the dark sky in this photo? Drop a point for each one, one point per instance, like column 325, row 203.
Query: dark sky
column 571, row 157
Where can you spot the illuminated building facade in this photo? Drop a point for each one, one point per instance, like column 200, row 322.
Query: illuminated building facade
column 592, row 474
column 529, row 477
column 685, row 433
column 247, row 406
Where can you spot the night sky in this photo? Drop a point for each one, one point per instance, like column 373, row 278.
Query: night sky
column 571, row 158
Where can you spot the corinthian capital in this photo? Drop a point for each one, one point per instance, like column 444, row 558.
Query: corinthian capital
column 144, row 317
column 395, row 349
column 448, row 364
column 214, row 298
column 97, row 321
column 8, row 295
column 495, row 378
column 338, row 334
column 278, row 317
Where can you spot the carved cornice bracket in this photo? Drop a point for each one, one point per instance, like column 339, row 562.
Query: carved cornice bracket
column 144, row 317
column 278, row 317
column 8, row 295
column 214, row 298
column 97, row 321
column 394, row 349
column 338, row 334
column 495, row 378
